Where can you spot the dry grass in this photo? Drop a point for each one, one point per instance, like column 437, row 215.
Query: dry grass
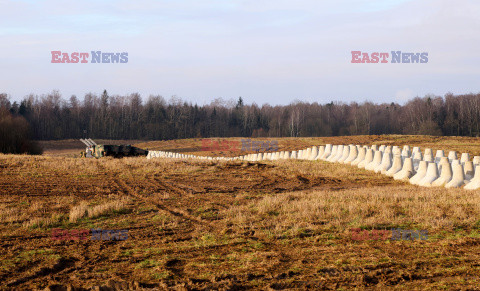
column 363, row 203
column 83, row 210
column 437, row 209
column 78, row 212
column 29, row 214
column 227, row 225
column 105, row 208
column 9, row 214
column 43, row 222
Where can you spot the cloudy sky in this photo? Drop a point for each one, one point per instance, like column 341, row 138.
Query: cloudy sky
column 267, row 51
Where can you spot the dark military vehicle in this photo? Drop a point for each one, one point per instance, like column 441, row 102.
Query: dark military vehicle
column 95, row 150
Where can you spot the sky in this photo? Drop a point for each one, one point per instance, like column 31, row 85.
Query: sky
column 266, row 51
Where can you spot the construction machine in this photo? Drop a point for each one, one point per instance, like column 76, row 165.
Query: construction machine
column 94, row 150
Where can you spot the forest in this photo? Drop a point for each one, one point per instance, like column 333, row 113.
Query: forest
column 51, row 116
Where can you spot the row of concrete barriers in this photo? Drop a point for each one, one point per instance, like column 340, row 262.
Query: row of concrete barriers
column 404, row 163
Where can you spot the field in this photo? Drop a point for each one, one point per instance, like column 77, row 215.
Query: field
column 196, row 224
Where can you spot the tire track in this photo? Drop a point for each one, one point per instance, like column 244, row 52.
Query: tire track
column 172, row 210
column 126, row 188
column 62, row 264
column 178, row 186
column 162, row 183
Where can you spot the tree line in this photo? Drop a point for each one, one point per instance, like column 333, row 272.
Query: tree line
column 130, row 117
column 15, row 131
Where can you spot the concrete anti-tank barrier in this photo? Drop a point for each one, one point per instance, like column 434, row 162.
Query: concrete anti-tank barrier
column 465, row 157
column 333, row 153
column 476, row 160
column 396, row 166
column 401, row 164
column 421, row 172
column 360, row 157
column 469, row 170
column 430, row 176
column 452, row 155
column 327, row 152
column 475, row 181
column 416, row 158
column 386, row 163
column 338, row 155
column 407, row 170
column 321, row 151
column 377, row 160
column 445, row 170
column 439, row 155
column 368, row 158
column 346, row 152
column 458, row 178
column 352, row 155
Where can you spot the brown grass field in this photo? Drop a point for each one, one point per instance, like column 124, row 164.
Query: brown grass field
column 195, row 225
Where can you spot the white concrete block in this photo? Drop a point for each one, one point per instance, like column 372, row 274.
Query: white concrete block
column 362, row 151
column 430, row 176
column 407, row 170
column 352, row 155
column 458, row 178
column 396, row 167
column 475, row 182
column 421, row 172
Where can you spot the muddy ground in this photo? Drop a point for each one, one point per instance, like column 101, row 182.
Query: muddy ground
column 186, row 230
